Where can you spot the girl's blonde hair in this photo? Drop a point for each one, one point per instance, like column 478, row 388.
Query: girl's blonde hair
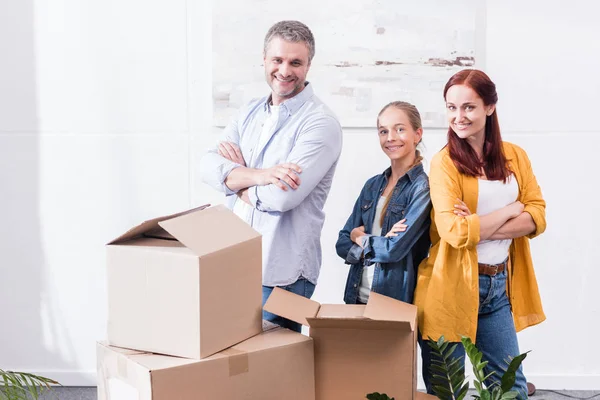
column 414, row 117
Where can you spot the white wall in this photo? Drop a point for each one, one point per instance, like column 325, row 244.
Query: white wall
column 544, row 57
column 96, row 126
column 105, row 109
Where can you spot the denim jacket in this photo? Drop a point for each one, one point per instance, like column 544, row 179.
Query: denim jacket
column 397, row 258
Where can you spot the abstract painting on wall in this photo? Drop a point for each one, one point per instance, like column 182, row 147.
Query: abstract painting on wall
column 367, row 53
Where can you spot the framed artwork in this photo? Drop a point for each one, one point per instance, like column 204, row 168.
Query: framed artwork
column 367, row 53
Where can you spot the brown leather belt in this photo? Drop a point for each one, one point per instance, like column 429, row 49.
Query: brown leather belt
column 492, row 269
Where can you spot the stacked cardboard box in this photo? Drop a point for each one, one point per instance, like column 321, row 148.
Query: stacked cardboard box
column 185, row 323
column 184, row 316
column 260, row 368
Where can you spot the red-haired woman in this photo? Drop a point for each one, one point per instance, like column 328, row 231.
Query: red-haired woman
column 478, row 280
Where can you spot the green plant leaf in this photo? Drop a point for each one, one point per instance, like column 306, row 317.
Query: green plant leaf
column 496, row 392
column 442, row 390
column 441, row 369
column 510, row 395
column 447, row 373
column 450, row 350
column 509, row 377
column 23, row 385
column 462, row 392
column 475, row 356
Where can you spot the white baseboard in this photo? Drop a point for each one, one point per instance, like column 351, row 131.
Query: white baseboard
column 553, row 382
column 565, row 382
column 70, row 378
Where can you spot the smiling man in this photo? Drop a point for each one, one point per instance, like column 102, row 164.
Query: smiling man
column 276, row 161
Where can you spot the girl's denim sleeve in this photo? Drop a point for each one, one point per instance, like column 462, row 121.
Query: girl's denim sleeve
column 385, row 250
column 346, row 248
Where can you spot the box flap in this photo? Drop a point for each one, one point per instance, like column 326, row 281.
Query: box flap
column 355, row 323
column 121, row 350
column 291, row 306
column 151, row 226
column 384, row 308
column 209, row 230
column 341, row 311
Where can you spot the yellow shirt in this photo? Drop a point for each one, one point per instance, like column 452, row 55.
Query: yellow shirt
column 447, row 293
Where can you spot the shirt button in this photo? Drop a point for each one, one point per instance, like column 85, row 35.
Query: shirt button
column 355, row 285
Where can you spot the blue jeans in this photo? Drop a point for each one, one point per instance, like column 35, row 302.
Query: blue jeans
column 301, row 287
column 496, row 335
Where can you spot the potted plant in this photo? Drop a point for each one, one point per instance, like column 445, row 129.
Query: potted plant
column 379, row 396
column 448, row 374
column 22, row 385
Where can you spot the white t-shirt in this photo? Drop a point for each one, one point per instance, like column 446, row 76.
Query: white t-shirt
column 494, row 195
column 369, row 272
column 240, row 207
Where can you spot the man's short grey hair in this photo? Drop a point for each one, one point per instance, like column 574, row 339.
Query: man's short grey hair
column 292, row 31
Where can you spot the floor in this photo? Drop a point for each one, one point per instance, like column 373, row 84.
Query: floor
column 85, row 393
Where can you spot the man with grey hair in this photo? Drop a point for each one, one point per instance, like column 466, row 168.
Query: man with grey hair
column 276, row 161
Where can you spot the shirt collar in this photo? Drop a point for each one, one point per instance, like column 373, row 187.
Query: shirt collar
column 412, row 173
column 292, row 105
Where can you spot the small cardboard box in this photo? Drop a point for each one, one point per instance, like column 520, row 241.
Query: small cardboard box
column 188, row 284
column 273, row 365
column 358, row 349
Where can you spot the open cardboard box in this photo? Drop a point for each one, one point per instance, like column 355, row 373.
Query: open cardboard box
column 187, row 284
column 358, row 349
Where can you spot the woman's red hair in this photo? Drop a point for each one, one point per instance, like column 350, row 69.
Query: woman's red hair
column 462, row 154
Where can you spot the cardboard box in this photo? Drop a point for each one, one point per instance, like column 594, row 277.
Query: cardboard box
column 421, row 396
column 358, row 349
column 273, row 365
column 424, row 396
column 187, row 285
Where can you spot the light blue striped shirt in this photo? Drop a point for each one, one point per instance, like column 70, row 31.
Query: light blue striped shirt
column 307, row 134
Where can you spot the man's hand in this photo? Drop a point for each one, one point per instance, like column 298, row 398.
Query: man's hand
column 243, row 195
column 232, row 152
column 399, row 226
column 357, row 234
column 279, row 174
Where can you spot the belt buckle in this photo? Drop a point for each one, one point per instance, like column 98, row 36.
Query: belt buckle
column 495, row 266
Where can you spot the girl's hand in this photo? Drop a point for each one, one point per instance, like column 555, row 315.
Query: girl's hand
column 399, row 226
column 356, row 234
column 461, row 209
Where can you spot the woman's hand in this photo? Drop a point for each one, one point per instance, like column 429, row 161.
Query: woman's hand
column 356, row 234
column 461, row 209
column 399, row 226
column 516, row 208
